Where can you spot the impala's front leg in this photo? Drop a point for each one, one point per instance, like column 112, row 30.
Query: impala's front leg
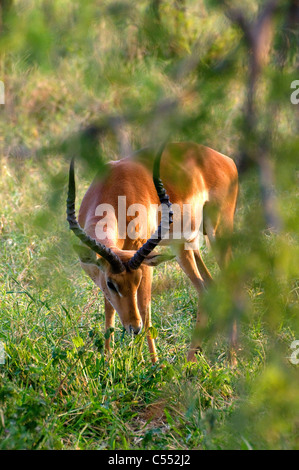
column 109, row 323
column 144, row 305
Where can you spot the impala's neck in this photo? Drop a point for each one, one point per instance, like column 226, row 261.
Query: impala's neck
column 96, row 216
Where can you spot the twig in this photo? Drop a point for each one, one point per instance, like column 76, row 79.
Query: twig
column 258, row 35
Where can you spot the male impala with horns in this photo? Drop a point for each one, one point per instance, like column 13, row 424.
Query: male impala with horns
column 193, row 185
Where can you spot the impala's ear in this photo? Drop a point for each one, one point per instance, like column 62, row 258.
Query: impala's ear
column 153, row 259
column 88, row 256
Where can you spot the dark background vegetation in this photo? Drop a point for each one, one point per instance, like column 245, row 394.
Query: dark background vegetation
column 95, row 80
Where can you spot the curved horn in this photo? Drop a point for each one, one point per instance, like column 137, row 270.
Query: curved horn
column 166, row 217
column 97, row 247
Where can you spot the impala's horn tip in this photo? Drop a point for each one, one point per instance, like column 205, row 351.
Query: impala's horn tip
column 157, row 161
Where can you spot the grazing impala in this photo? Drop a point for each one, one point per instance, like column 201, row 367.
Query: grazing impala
column 119, row 259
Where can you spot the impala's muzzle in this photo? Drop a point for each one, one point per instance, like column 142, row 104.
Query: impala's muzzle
column 134, row 329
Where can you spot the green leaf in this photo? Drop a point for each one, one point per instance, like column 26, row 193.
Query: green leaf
column 78, row 341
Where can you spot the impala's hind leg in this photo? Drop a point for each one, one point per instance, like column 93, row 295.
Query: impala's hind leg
column 219, row 229
column 187, row 261
column 223, row 236
column 205, row 273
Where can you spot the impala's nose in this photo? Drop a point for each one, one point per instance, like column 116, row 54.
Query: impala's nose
column 135, row 329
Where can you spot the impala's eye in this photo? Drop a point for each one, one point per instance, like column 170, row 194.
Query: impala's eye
column 111, row 286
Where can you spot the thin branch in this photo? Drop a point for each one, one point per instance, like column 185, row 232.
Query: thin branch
column 259, row 36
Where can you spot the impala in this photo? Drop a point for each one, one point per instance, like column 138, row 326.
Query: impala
column 193, row 176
